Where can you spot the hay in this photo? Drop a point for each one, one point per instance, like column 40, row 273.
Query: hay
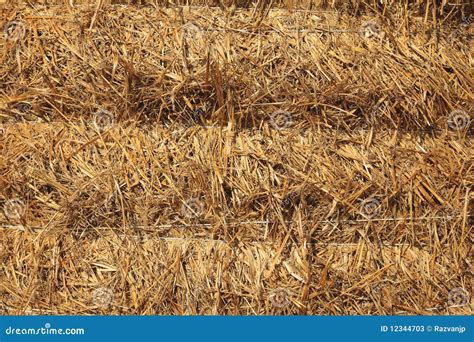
column 182, row 160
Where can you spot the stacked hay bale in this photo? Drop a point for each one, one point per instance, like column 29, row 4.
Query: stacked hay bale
column 182, row 160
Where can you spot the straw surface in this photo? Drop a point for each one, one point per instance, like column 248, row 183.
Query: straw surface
column 262, row 158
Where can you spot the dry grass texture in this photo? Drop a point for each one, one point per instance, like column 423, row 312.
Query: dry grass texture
column 182, row 161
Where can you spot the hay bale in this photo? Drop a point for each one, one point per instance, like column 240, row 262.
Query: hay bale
column 183, row 160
